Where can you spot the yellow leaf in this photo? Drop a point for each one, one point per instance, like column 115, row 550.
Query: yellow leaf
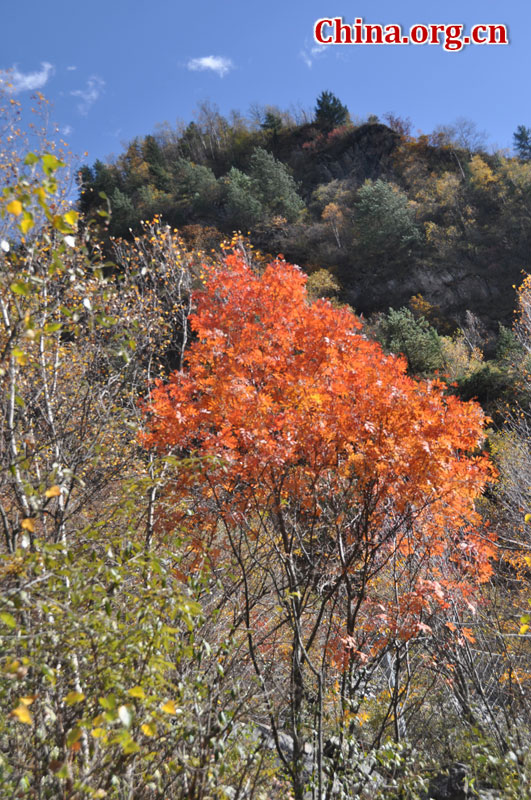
column 20, row 356
column 527, row 518
column 14, row 207
column 73, row 697
column 27, row 701
column 137, row 691
column 28, row 525
column 22, row 714
column 26, row 224
column 149, row 728
column 53, row 491
column 70, row 217
column 169, row 707
column 130, row 746
column 97, row 733
column 523, row 629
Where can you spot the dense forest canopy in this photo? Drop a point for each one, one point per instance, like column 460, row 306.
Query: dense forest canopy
column 256, row 545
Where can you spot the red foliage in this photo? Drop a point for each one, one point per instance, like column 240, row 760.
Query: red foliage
column 302, row 422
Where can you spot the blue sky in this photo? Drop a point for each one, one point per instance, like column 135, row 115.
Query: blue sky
column 115, row 69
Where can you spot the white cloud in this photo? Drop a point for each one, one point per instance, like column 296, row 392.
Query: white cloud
column 66, row 130
column 217, row 64
column 89, row 94
column 71, row 69
column 310, row 53
column 15, row 81
column 306, row 58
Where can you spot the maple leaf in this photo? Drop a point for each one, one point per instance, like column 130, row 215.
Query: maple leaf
column 301, row 420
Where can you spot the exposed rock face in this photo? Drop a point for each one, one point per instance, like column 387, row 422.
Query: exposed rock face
column 453, row 785
column 453, row 289
column 365, row 154
column 367, row 780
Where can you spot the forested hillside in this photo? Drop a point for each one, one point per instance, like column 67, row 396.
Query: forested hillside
column 389, row 214
column 257, row 543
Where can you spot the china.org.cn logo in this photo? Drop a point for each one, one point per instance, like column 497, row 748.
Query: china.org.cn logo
column 451, row 37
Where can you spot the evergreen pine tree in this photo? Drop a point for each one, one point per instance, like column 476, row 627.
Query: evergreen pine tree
column 522, row 142
column 330, row 112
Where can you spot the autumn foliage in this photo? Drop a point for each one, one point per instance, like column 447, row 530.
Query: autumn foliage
column 306, row 435
column 292, row 587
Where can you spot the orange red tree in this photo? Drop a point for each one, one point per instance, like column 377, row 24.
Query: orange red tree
column 341, row 488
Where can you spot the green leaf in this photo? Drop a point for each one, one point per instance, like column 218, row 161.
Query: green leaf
column 20, row 356
column 50, row 163
column 60, row 225
column 8, row 619
column 74, row 697
column 73, row 736
column 130, row 746
column 21, row 287
column 56, row 265
column 31, row 159
column 51, row 327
